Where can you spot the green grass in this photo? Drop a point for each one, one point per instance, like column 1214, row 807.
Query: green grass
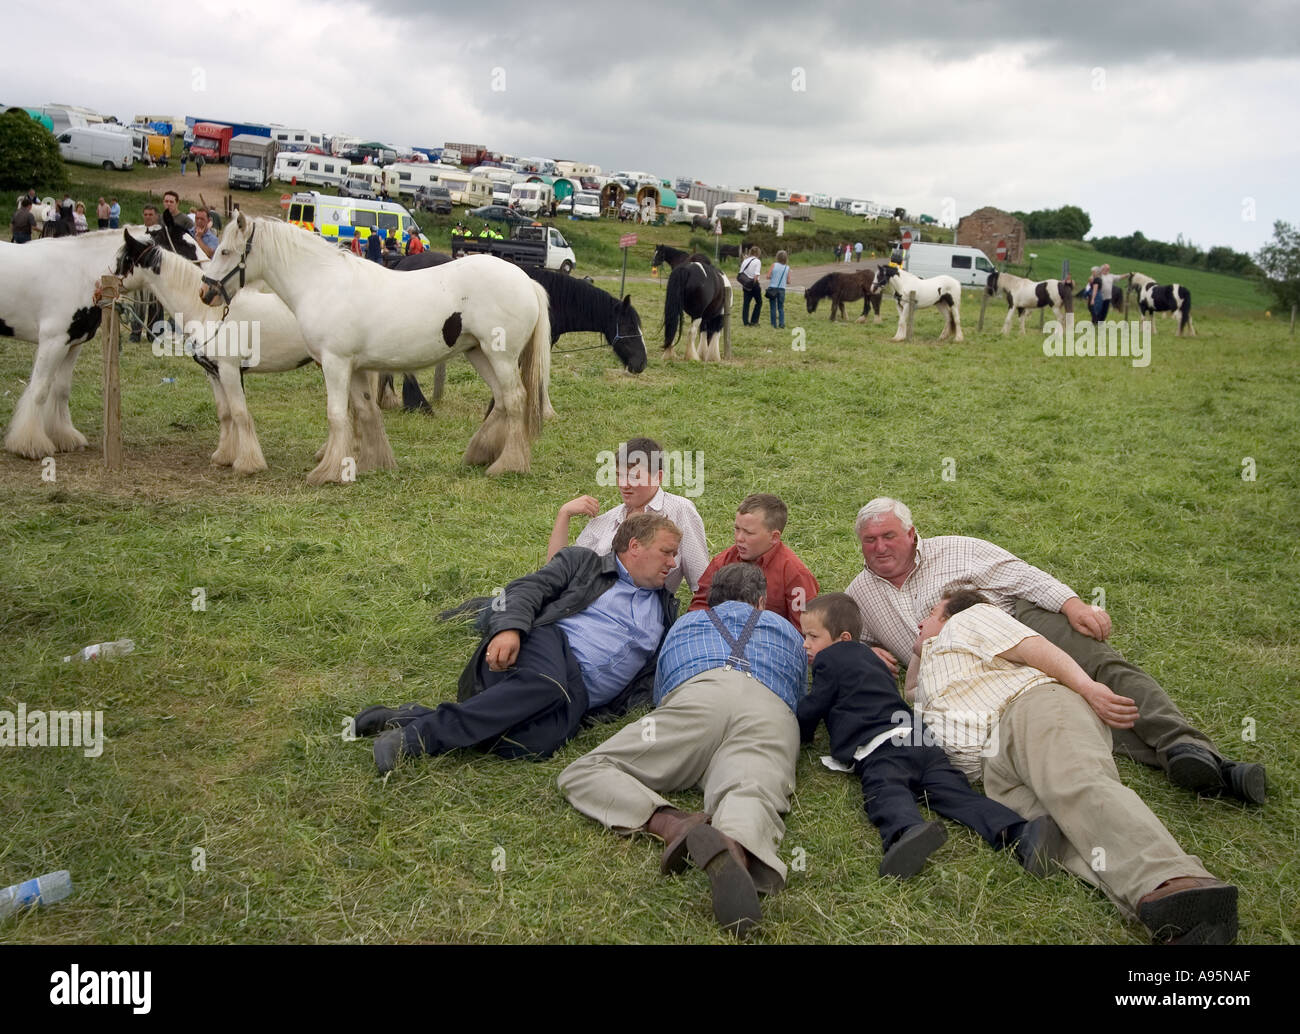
column 223, row 727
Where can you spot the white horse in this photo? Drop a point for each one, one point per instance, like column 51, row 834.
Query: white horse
column 1022, row 295
column 942, row 292
column 1174, row 299
column 280, row 346
column 358, row 316
column 47, row 290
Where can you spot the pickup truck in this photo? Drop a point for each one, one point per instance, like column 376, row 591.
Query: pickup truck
column 542, row 246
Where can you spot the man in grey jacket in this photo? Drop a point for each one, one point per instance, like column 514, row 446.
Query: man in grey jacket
column 577, row 639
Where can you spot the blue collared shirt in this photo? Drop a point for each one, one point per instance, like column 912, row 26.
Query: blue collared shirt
column 775, row 651
column 615, row 636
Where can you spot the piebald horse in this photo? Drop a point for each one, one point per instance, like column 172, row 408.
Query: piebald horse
column 358, row 316
column 676, row 259
column 1174, row 299
column 942, row 292
column 1023, row 295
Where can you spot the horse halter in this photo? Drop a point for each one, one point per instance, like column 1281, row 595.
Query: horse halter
column 220, row 285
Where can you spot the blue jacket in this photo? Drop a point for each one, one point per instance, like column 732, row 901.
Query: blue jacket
column 854, row 693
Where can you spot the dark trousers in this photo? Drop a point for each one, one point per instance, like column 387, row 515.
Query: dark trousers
column 1160, row 723
column 529, row 711
column 752, row 294
column 893, row 777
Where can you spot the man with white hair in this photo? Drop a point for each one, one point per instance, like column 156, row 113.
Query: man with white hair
column 905, row 576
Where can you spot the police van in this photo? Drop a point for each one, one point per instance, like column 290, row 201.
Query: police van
column 342, row 218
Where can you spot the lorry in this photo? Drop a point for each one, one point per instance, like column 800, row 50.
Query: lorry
column 93, row 145
column 211, row 140
column 252, row 161
column 534, row 245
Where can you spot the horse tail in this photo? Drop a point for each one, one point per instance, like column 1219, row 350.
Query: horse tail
column 1184, row 309
column 535, row 363
column 674, row 304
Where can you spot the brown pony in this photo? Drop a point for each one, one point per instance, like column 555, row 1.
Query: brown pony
column 845, row 287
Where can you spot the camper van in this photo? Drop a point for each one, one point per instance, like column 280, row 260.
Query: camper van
column 751, row 216
column 456, row 181
column 970, row 266
column 405, row 178
column 87, row 145
column 297, row 139
column 342, row 218
column 532, row 198
column 310, row 168
column 687, row 209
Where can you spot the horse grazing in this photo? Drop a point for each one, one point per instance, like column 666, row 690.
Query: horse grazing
column 357, row 316
column 1174, row 299
column 575, row 306
column 1023, row 295
column 842, row 288
column 943, row 292
column 47, row 296
column 699, row 289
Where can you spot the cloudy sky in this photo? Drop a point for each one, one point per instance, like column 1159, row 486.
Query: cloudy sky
column 1169, row 117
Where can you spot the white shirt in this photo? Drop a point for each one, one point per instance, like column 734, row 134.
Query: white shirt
column 692, row 553
column 751, row 267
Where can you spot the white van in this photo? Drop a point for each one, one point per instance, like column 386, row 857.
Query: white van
column 88, row 145
column 970, row 266
column 687, row 209
column 342, row 218
column 532, row 198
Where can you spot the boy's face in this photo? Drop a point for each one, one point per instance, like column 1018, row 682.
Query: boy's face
column 753, row 536
column 815, row 636
column 932, row 625
column 637, row 486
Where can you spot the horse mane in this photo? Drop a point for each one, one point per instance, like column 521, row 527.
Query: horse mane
column 575, row 304
column 821, row 289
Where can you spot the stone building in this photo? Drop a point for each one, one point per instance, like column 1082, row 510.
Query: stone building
column 984, row 227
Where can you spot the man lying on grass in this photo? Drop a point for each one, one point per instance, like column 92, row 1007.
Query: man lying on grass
column 1009, row 707
column 577, row 639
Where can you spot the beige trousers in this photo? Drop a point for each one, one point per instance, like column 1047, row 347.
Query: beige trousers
column 1054, row 756
column 722, row 731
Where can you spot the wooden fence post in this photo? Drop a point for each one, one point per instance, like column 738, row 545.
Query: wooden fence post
column 439, row 381
column 1293, row 308
column 110, row 289
column 911, row 313
column 984, row 304
column 726, row 321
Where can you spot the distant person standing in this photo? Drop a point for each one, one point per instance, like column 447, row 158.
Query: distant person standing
column 114, row 214
column 777, row 277
column 79, row 217
column 848, row 252
column 23, row 223
column 185, row 157
column 375, row 247
column 102, row 213
column 748, row 277
column 857, row 252
column 198, row 165
column 413, row 243
column 355, row 246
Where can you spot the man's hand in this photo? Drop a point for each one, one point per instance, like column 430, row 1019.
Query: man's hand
column 1086, row 619
column 891, row 662
column 1116, row 711
column 502, row 650
column 584, row 504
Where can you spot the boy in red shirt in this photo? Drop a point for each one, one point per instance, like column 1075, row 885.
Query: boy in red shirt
column 760, row 520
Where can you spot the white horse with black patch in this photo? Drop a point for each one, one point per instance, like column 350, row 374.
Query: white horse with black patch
column 941, row 292
column 280, row 346
column 1022, row 295
column 358, row 316
column 1174, row 299
column 47, row 296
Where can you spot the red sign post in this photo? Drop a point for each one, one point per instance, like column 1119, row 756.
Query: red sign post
column 626, row 241
column 907, row 239
column 1002, row 251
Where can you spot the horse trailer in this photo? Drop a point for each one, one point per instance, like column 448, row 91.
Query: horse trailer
column 968, row 266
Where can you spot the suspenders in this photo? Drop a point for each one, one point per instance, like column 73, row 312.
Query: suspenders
column 737, row 660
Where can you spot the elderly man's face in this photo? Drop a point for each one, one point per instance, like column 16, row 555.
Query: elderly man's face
column 887, row 547
column 649, row 565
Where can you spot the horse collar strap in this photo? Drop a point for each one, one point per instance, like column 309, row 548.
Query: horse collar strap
column 737, row 661
column 220, row 285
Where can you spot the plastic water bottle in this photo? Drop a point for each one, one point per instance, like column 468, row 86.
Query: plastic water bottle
column 95, row 651
column 169, row 380
column 44, row 890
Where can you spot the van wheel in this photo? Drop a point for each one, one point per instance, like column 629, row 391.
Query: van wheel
column 108, row 166
column 566, row 267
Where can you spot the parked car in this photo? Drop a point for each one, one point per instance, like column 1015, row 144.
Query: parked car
column 353, row 187
column 582, row 205
column 500, row 214
column 433, row 199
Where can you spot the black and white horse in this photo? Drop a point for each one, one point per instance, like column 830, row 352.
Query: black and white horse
column 1174, row 299
column 1022, row 295
column 701, row 291
column 575, row 306
column 841, row 288
column 943, row 292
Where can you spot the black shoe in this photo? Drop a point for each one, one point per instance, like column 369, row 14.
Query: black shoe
column 1246, row 781
column 1194, row 768
column 388, row 750
column 373, row 720
column 1039, row 845
column 907, row 855
column 1191, row 910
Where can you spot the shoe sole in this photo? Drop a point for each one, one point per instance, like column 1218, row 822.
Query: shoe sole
column 1198, row 774
column 1040, row 863
column 388, row 750
column 735, row 901
column 674, row 858
column 1252, row 786
column 911, row 851
column 1180, row 916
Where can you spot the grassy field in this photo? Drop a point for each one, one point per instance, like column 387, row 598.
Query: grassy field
column 226, row 807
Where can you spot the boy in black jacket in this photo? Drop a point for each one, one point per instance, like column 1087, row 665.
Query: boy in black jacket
column 874, row 733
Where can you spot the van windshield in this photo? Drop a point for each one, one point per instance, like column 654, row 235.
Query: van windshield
column 244, row 161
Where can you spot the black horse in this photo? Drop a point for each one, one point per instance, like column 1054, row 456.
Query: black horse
column 575, row 306
column 841, row 288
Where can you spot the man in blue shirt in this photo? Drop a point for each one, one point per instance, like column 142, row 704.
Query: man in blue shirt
column 577, row 639
column 728, row 683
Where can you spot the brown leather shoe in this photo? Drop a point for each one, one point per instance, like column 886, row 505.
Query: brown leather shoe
column 735, row 901
column 674, row 825
column 1200, row 906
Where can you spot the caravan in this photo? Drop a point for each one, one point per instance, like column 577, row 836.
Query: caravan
column 751, row 216
column 298, row 139
column 532, row 198
column 405, row 178
column 303, row 167
column 688, row 209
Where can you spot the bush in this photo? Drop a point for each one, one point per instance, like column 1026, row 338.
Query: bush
column 29, row 154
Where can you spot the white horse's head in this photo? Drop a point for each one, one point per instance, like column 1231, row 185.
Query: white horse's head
column 884, row 274
column 229, row 268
